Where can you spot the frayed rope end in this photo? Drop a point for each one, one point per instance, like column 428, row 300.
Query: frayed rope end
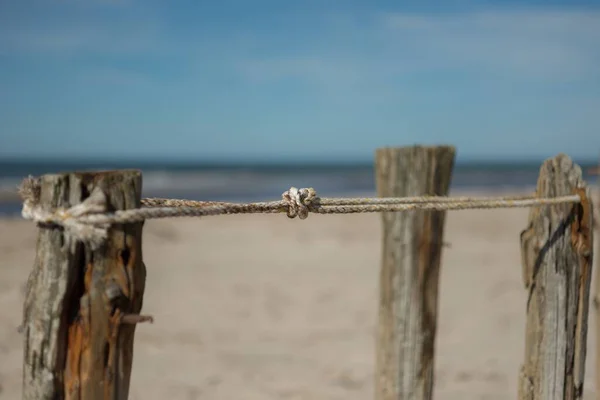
column 30, row 189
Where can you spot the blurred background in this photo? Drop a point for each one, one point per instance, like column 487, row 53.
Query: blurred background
column 239, row 100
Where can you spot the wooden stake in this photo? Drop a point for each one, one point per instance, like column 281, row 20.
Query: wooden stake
column 597, row 301
column 412, row 246
column 76, row 344
column 556, row 250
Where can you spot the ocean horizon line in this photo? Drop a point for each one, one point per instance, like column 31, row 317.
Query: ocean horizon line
column 267, row 180
column 229, row 164
column 256, row 180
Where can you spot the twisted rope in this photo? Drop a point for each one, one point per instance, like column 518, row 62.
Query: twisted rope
column 342, row 201
column 90, row 222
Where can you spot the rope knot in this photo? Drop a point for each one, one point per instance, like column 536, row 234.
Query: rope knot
column 299, row 201
column 69, row 219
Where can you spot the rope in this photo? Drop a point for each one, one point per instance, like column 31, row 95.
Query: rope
column 90, row 222
column 341, row 201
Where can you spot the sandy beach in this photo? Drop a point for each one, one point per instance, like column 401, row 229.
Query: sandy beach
column 263, row 307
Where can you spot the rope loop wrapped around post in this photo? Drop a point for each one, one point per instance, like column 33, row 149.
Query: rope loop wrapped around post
column 70, row 219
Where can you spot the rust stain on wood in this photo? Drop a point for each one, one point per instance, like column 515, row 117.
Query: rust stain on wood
column 582, row 240
column 106, row 285
column 556, row 256
column 581, row 229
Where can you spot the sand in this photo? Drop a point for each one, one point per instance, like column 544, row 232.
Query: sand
column 263, row 307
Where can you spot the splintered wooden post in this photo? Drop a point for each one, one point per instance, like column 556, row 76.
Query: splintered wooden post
column 78, row 344
column 556, row 249
column 409, row 275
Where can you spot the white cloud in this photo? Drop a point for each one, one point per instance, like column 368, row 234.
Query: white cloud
column 338, row 50
column 67, row 27
column 529, row 45
column 526, row 43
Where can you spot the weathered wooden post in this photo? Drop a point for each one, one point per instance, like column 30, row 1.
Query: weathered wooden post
column 409, row 275
column 596, row 302
column 557, row 251
column 82, row 302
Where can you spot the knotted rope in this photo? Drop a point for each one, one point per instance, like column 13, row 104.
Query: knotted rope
column 70, row 219
column 90, row 220
column 299, row 201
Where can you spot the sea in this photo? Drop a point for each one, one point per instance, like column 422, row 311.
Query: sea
column 247, row 182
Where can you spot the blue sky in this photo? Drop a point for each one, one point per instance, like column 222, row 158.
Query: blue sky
column 297, row 80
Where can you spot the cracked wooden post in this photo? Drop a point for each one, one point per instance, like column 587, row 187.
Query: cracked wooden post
column 409, row 275
column 556, row 249
column 80, row 306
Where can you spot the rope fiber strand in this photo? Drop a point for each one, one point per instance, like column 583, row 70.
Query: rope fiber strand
column 89, row 221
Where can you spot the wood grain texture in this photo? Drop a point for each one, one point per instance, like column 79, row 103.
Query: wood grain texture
column 409, row 275
column 75, row 344
column 556, row 250
column 596, row 301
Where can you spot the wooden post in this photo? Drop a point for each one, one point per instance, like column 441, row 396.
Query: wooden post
column 557, row 250
column 82, row 304
column 597, row 295
column 409, row 275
